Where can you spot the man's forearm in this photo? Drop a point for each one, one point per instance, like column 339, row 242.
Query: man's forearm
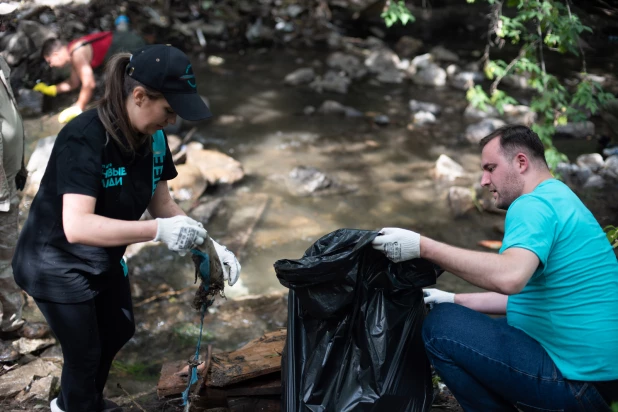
column 486, row 270
column 85, row 95
column 491, row 303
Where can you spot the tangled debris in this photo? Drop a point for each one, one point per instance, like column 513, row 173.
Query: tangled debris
column 212, row 273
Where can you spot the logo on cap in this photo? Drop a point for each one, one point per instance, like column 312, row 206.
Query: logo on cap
column 189, row 77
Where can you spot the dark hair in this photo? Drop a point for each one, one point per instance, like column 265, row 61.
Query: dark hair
column 50, row 46
column 516, row 138
column 112, row 107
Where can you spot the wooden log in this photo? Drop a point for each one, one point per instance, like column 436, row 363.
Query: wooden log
column 257, row 358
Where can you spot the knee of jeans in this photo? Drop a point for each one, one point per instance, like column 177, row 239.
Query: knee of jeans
column 437, row 322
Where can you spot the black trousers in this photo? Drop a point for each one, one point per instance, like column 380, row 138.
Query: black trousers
column 90, row 333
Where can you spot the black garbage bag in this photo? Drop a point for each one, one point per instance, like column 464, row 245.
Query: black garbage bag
column 354, row 328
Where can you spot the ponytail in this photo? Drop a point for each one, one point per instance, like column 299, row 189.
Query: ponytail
column 112, row 107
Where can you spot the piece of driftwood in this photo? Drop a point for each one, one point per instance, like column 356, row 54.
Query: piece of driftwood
column 251, row 370
column 257, row 358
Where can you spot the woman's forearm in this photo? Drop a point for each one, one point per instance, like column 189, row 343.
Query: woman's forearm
column 95, row 230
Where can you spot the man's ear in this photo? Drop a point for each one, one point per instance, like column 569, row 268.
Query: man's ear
column 522, row 162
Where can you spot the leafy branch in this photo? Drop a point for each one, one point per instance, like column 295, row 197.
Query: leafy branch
column 396, row 11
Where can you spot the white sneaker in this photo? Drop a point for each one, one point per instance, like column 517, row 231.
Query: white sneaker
column 108, row 406
column 54, row 406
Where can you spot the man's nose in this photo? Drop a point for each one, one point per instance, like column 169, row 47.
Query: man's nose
column 485, row 180
column 172, row 119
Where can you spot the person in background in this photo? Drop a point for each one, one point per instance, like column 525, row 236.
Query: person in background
column 555, row 278
column 84, row 55
column 12, row 178
column 108, row 166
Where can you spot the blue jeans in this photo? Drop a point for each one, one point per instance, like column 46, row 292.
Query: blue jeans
column 491, row 366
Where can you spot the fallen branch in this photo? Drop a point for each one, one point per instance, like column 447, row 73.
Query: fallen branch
column 163, row 295
column 130, row 397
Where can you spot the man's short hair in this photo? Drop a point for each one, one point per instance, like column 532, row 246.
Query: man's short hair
column 517, row 138
column 50, row 46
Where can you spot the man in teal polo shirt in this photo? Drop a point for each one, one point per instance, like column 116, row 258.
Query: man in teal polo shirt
column 555, row 278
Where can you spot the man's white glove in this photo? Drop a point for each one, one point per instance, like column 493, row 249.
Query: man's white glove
column 435, row 296
column 229, row 263
column 398, row 244
column 180, row 233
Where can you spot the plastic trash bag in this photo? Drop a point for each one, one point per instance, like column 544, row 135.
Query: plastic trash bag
column 354, row 328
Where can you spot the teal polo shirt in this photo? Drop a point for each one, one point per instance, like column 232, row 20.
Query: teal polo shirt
column 570, row 304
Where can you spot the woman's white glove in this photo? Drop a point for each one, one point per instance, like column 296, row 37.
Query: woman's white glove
column 435, row 296
column 229, row 263
column 180, row 233
column 398, row 244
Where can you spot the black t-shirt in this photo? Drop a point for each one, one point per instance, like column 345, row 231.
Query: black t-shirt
column 83, row 161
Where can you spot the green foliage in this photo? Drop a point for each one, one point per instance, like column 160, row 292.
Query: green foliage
column 612, row 235
column 615, row 407
column 540, row 26
column 139, row 371
column 396, row 11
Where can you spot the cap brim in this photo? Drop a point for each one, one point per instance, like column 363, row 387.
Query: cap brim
column 189, row 106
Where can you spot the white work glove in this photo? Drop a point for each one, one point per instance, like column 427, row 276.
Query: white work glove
column 398, row 244
column 180, row 233
column 435, row 296
column 229, row 263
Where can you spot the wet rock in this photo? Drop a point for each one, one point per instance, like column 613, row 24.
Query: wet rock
column 37, row 164
column 517, row 81
column 53, row 353
column 348, row 63
column 331, row 82
column 308, row 110
column 475, row 132
column 593, row 161
column 383, row 61
column 460, row 200
column 381, row 120
column 18, row 379
column 214, row 28
column 407, row 46
column 206, row 210
column 447, row 169
column 29, row 102
column 331, row 107
column 430, row 75
column 594, row 182
column 391, row 77
column 306, row 181
column 519, row 114
column 7, row 352
column 24, row 345
column 473, row 113
column 465, row 80
column 579, row 130
column 422, row 61
column 41, row 388
column 442, row 54
column 610, row 168
column 421, row 118
column 300, row 76
column 216, row 167
column 258, row 32
column 189, row 184
column 418, row 106
column 34, row 330
column 610, row 151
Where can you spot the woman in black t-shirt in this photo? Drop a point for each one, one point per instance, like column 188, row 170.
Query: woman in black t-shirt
column 106, row 168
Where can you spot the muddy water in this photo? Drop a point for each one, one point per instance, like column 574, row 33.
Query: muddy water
column 260, row 122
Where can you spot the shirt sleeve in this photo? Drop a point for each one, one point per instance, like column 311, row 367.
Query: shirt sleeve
column 169, row 169
column 530, row 224
column 78, row 166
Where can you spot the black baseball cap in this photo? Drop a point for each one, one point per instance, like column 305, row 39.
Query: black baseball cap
column 166, row 69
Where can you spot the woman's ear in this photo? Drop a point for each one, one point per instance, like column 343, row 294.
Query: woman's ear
column 139, row 94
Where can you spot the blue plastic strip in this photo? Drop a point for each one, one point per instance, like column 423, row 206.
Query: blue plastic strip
column 125, row 268
column 204, row 269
